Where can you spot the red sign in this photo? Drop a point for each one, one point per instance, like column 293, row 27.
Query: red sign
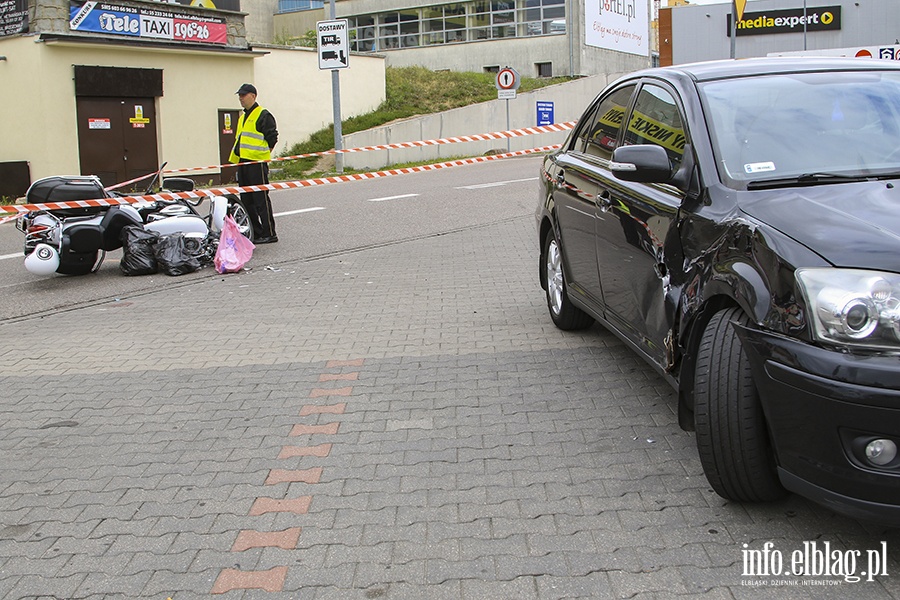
column 200, row 31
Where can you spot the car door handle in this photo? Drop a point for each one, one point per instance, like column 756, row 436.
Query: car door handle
column 561, row 177
column 603, row 201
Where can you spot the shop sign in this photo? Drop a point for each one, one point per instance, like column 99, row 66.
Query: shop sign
column 13, row 17
column 815, row 18
column 113, row 19
column 620, row 25
column 234, row 5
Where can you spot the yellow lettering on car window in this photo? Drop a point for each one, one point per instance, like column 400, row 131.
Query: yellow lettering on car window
column 657, row 132
column 613, row 117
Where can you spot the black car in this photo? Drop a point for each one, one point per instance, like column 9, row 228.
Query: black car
column 737, row 223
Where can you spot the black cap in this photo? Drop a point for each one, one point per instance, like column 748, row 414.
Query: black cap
column 247, row 88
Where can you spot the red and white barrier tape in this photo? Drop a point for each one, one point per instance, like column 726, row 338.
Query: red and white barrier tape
column 480, row 137
column 281, row 185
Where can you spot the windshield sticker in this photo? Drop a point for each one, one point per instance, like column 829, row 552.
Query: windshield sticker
column 760, row 167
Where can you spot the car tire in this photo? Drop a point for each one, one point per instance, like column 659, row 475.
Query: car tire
column 732, row 437
column 565, row 315
column 239, row 213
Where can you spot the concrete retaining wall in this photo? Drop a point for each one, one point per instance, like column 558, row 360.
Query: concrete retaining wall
column 569, row 101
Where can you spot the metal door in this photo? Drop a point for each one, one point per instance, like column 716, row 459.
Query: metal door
column 117, row 137
column 227, row 129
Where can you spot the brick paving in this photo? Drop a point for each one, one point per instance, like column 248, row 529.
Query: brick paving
column 402, row 422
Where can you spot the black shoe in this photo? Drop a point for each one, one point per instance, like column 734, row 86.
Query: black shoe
column 269, row 239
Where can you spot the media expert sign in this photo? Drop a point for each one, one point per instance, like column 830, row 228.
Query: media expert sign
column 130, row 21
column 622, row 25
column 818, row 18
column 334, row 47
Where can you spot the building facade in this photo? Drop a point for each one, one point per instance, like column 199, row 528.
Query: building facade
column 538, row 38
column 694, row 33
column 114, row 89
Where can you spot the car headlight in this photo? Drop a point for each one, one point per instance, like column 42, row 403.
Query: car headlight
column 853, row 307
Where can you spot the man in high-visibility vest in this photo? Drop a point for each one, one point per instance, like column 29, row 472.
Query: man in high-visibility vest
column 256, row 136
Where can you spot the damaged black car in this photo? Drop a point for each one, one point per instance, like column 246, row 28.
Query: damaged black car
column 737, row 223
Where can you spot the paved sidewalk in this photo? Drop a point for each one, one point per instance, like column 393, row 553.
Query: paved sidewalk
column 402, row 422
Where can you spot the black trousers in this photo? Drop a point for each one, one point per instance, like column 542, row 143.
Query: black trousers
column 258, row 204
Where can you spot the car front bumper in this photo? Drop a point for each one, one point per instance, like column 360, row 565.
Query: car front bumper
column 822, row 408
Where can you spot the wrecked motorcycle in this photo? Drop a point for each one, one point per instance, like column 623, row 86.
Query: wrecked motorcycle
column 74, row 241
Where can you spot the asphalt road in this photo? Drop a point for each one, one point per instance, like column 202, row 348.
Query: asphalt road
column 380, row 408
column 311, row 222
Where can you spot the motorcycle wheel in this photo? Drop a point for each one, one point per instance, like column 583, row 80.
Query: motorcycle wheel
column 240, row 215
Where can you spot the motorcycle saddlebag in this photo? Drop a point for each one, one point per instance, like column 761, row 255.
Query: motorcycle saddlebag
column 77, row 263
column 66, row 189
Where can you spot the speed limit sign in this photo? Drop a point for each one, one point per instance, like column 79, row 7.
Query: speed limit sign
column 507, row 79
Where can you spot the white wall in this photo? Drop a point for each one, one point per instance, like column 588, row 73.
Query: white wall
column 196, row 84
column 293, row 88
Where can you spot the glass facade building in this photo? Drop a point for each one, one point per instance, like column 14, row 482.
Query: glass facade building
column 288, row 6
column 456, row 22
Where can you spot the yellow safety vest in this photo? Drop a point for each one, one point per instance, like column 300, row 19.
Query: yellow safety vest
column 250, row 144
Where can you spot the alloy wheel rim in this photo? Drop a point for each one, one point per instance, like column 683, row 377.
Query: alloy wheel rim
column 554, row 278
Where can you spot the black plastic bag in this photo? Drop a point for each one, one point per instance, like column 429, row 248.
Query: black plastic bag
column 138, row 247
column 172, row 256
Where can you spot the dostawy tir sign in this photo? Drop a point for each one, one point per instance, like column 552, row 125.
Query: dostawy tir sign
column 146, row 23
column 13, row 17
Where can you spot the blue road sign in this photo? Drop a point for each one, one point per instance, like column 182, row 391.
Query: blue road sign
column 544, row 113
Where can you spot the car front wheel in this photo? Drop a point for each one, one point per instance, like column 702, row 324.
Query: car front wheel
column 732, row 437
column 565, row 315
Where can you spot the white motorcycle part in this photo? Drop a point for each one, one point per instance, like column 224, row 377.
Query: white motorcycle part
column 132, row 211
column 219, row 210
column 194, row 243
column 43, row 261
column 46, row 228
column 179, row 224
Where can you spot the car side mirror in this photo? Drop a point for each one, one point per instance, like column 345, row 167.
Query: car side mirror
column 644, row 163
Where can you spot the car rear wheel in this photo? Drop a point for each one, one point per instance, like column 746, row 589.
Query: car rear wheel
column 565, row 315
column 732, row 437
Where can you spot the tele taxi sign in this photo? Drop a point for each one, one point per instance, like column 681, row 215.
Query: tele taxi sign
column 334, row 46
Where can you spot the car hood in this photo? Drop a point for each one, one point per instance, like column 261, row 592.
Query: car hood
column 848, row 224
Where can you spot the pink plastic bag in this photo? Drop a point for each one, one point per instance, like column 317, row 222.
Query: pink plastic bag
column 234, row 250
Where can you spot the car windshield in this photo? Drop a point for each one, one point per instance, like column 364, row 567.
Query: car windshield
column 807, row 127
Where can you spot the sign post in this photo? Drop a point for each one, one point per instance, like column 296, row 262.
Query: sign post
column 507, row 83
column 334, row 53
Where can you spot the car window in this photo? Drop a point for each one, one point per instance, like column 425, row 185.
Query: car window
column 656, row 120
column 584, row 127
column 599, row 136
column 771, row 127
